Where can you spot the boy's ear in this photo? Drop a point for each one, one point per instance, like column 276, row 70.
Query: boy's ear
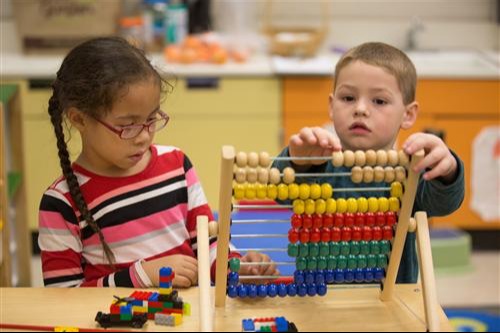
column 410, row 115
column 330, row 106
column 77, row 118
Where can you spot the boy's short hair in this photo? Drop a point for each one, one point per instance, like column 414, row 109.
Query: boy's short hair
column 388, row 57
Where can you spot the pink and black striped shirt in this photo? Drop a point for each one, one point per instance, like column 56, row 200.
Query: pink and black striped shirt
column 145, row 216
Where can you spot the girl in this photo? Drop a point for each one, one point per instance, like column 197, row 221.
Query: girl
column 125, row 207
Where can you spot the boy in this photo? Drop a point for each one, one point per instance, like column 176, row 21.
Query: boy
column 373, row 98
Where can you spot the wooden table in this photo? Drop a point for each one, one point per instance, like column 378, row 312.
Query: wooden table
column 344, row 308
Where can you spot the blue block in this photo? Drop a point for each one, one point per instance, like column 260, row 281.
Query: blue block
column 242, row 291
column 232, row 291
column 281, row 324
column 321, row 289
column 153, row 297
column 298, row 277
column 272, row 290
column 165, row 271
column 292, row 289
column 248, row 325
column 302, row 289
column 165, row 285
column 252, row 290
column 282, row 292
column 262, row 290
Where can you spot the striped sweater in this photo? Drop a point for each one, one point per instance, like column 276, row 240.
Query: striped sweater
column 145, row 216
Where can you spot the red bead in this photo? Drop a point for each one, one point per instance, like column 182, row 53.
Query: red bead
column 325, row 234
column 336, row 234
column 369, row 219
column 293, row 236
column 348, row 219
column 346, row 234
column 296, row 220
column 304, row 235
column 327, row 220
column 315, row 235
column 387, row 232
column 359, row 219
column 367, row 233
column 307, row 221
column 377, row 233
column 379, row 219
column 391, row 218
column 338, row 220
column 317, row 220
column 357, row 233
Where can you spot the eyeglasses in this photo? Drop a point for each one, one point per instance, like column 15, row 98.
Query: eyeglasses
column 132, row 131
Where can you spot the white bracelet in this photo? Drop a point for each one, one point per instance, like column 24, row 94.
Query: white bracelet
column 143, row 276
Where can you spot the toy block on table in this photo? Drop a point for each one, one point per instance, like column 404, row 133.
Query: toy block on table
column 270, row 324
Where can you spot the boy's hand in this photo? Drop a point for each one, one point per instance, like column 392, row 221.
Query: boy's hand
column 253, row 256
column 184, row 267
column 313, row 141
column 438, row 157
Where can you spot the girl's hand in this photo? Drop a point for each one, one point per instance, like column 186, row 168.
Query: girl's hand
column 184, row 267
column 268, row 269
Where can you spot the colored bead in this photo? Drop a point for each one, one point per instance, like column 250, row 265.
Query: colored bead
column 337, row 159
column 241, row 159
column 349, row 275
column 381, row 157
column 288, row 175
column 331, row 206
column 379, row 219
column 338, row 220
column 312, row 263
column 242, row 291
column 292, row 289
column 329, row 276
column 325, row 234
column 396, row 189
column 339, row 275
column 331, row 262
column 304, row 191
column 253, row 159
column 359, row 157
column 261, row 190
column 378, row 274
column 359, row 275
column 233, row 278
column 293, row 235
column 293, row 250
column 307, row 221
column 385, row 247
column 368, row 174
column 345, row 248
column 386, row 232
column 239, row 191
column 326, row 191
column 371, row 157
column 263, row 175
column 348, row 219
column 298, row 206
column 382, row 260
column 282, row 191
column 251, row 175
column 369, row 219
column 352, row 261
column 272, row 290
column 369, row 276
column 282, row 290
column 309, row 277
column 354, row 248
column 293, row 191
column 336, row 234
column 357, row 233
column 264, row 159
column 298, row 277
column 362, row 204
column 324, row 249
column 315, row 235
column 389, row 174
column 304, row 235
column 356, row 174
column 377, row 233
column 341, row 262
column 327, row 220
column 232, row 291
column 346, row 234
column 296, row 220
column 319, row 277
column 390, row 218
column 310, row 206
column 272, row 192
column 348, row 158
column 321, row 289
column 322, row 262
column 262, row 290
column 234, row 264
column 383, row 204
column 303, row 249
column 378, row 174
column 252, row 290
column 341, row 205
column 317, row 220
column 334, row 248
column 315, row 191
column 367, row 233
column 372, row 204
column 311, row 289
column 301, row 289
column 374, row 247
column 320, row 206
column 362, row 261
column 394, row 204
column 274, row 176
column 371, row 260
column 313, row 249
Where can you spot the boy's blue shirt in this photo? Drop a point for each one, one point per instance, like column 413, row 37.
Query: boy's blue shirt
column 433, row 197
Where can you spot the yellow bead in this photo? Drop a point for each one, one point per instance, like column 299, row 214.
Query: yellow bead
column 326, row 191
column 282, row 191
column 331, row 206
column 362, row 205
column 396, row 190
column 239, row 191
column 394, row 204
column 310, row 206
column 272, row 191
column 372, row 205
column 352, row 205
column 251, row 191
column 293, row 191
column 383, row 204
column 320, row 206
column 304, row 191
column 315, row 191
column 298, row 206
column 261, row 191
column 341, row 205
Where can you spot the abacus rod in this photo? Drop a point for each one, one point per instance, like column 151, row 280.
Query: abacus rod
column 301, row 158
column 259, row 221
column 259, row 236
column 279, row 263
column 263, row 249
column 266, row 277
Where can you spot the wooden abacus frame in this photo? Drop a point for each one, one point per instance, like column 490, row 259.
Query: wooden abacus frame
column 405, row 224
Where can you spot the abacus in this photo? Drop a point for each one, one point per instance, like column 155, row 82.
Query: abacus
column 332, row 241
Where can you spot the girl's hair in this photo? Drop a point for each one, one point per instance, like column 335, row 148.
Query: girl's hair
column 90, row 79
column 393, row 60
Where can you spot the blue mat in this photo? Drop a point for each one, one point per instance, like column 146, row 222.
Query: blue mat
column 473, row 320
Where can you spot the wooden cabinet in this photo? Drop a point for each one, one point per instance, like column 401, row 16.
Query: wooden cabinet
column 460, row 109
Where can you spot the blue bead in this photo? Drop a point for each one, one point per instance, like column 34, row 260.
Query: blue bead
column 272, row 290
column 329, row 276
column 242, row 291
column 252, row 290
column 311, row 289
column 368, row 274
column 379, row 274
column 339, row 275
column 309, row 277
column 321, row 289
column 262, row 290
column 298, row 277
column 233, row 278
column 319, row 277
column 292, row 289
column 232, row 291
column 302, row 289
column 359, row 275
column 349, row 276
column 282, row 292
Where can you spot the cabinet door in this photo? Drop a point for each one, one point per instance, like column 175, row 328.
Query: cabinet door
column 460, row 135
column 244, row 113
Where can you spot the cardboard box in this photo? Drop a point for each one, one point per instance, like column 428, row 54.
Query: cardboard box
column 56, row 26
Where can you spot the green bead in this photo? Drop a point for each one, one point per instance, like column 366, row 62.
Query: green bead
column 364, row 247
column 293, row 250
column 362, row 263
column 382, row 260
column 351, row 261
column 342, row 262
column 312, row 263
column 385, row 247
column 324, row 249
column 234, row 264
column 301, row 263
column 345, row 248
column 334, row 248
column 332, row 262
column 372, row 260
column 355, row 248
column 374, row 247
column 313, row 249
column 303, row 250
column 322, row 262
